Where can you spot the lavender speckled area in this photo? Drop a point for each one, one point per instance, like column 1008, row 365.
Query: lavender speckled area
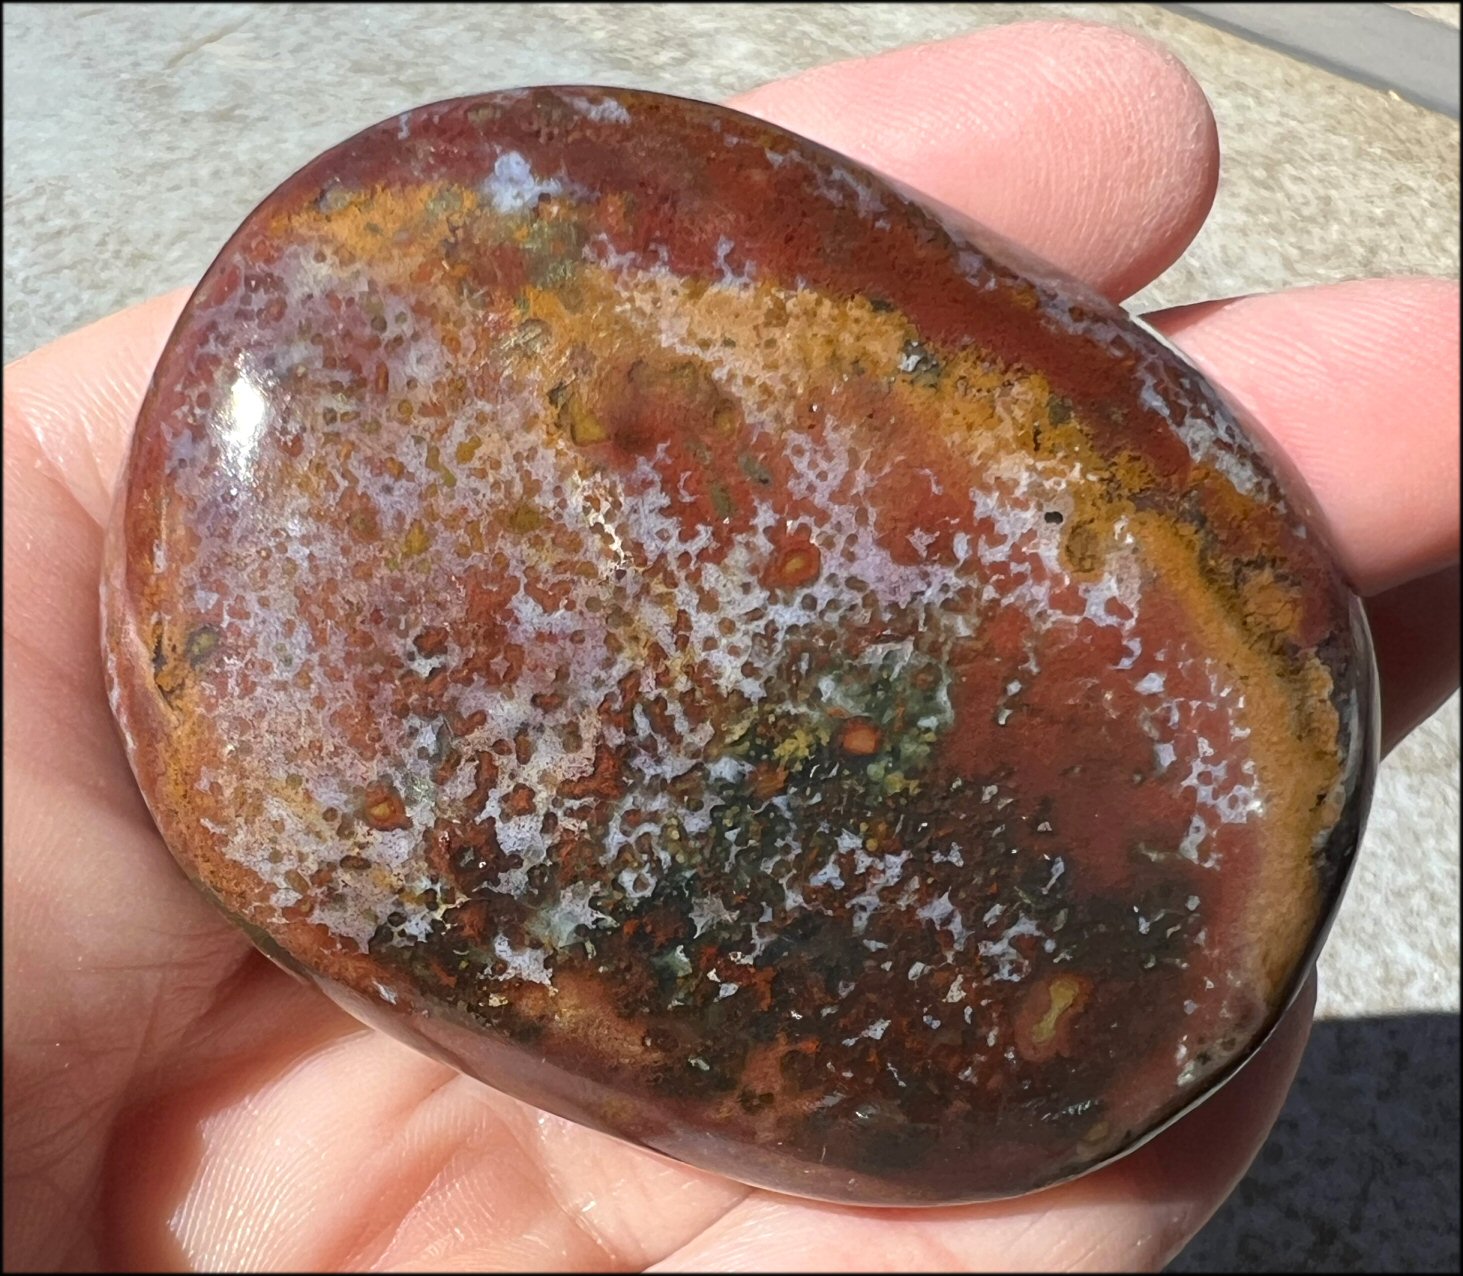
column 139, row 136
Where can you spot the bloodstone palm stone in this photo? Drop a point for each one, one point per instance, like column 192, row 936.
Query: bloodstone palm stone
column 717, row 647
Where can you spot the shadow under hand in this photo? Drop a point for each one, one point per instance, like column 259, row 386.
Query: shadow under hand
column 1361, row 1173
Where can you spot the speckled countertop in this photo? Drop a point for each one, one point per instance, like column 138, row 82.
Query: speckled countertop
column 137, row 137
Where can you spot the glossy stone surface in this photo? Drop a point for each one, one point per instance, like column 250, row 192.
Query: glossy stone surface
column 649, row 612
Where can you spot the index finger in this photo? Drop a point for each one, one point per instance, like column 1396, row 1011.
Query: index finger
column 1092, row 148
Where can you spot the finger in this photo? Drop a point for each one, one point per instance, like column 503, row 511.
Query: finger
column 1357, row 384
column 1415, row 632
column 70, row 405
column 1087, row 145
column 107, row 950
column 1136, row 1214
column 67, row 408
column 329, row 1148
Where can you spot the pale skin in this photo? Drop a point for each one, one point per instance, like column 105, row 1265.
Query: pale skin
column 172, row 1100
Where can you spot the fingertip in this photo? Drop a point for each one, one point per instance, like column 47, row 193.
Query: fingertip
column 1357, row 383
column 76, row 399
column 1416, row 637
column 1091, row 146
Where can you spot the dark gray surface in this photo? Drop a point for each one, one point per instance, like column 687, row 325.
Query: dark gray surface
column 1362, row 1171
column 1373, row 44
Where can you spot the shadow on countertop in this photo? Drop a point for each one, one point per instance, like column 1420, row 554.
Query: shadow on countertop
column 1361, row 1173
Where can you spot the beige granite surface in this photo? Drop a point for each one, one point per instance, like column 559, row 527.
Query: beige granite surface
column 137, row 137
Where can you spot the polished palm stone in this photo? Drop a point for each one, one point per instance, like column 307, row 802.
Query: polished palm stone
column 712, row 645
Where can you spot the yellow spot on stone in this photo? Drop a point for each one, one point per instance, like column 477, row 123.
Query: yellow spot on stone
column 721, row 501
column 583, row 426
column 434, row 463
column 417, row 540
column 201, row 644
column 525, row 518
column 898, row 782
column 1064, row 991
column 796, row 746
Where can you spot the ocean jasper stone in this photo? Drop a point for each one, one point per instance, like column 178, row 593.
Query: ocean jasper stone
column 643, row 608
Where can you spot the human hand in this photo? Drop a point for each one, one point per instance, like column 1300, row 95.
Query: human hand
column 172, row 1099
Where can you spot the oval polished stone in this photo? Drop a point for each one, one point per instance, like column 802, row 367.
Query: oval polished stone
column 718, row 648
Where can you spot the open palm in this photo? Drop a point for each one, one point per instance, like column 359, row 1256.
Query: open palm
column 172, row 1100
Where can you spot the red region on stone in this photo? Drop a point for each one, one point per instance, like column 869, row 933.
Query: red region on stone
column 640, row 607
